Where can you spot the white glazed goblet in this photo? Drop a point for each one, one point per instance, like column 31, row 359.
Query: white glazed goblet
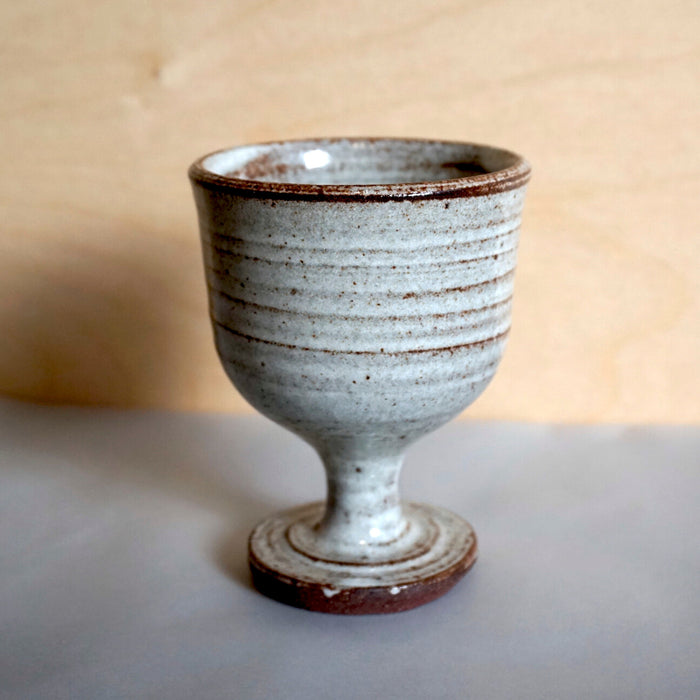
column 360, row 294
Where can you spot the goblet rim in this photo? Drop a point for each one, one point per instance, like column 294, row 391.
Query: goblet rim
column 514, row 176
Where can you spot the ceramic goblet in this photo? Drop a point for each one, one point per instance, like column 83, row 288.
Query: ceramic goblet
column 360, row 294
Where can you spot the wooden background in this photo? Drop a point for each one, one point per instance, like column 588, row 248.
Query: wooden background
column 105, row 104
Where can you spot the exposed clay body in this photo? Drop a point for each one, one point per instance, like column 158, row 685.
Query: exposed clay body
column 442, row 552
column 360, row 316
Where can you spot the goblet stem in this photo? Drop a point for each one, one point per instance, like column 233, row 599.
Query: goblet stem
column 363, row 506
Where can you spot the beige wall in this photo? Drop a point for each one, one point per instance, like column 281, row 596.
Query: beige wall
column 104, row 105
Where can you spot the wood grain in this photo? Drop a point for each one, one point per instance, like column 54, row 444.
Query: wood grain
column 103, row 106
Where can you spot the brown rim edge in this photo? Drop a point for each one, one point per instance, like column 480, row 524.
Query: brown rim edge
column 504, row 180
column 358, row 601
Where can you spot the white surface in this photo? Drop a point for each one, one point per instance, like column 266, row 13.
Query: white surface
column 123, row 575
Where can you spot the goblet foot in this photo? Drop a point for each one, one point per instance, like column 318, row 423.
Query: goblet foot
column 436, row 549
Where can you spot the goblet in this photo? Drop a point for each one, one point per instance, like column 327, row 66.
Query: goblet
column 360, row 295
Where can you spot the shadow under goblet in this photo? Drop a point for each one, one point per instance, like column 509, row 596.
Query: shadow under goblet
column 360, row 294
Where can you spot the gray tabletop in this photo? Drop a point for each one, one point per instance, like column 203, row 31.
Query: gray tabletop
column 123, row 574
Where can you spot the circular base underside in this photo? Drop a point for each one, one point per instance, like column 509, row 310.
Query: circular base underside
column 283, row 572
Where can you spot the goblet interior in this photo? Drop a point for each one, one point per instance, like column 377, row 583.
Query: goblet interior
column 360, row 294
column 358, row 161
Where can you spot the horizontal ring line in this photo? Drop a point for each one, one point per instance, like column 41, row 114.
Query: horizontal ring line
column 360, row 317
column 418, row 295
column 292, row 380
column 391, row 353
column 413, row 265
column 369, row 251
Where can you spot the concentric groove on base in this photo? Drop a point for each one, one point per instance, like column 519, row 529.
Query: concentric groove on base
column 282, row 572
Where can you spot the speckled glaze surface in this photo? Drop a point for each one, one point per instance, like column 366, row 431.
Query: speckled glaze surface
column 360, row 294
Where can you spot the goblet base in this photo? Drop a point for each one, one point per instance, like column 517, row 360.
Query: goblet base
column 387, row 583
